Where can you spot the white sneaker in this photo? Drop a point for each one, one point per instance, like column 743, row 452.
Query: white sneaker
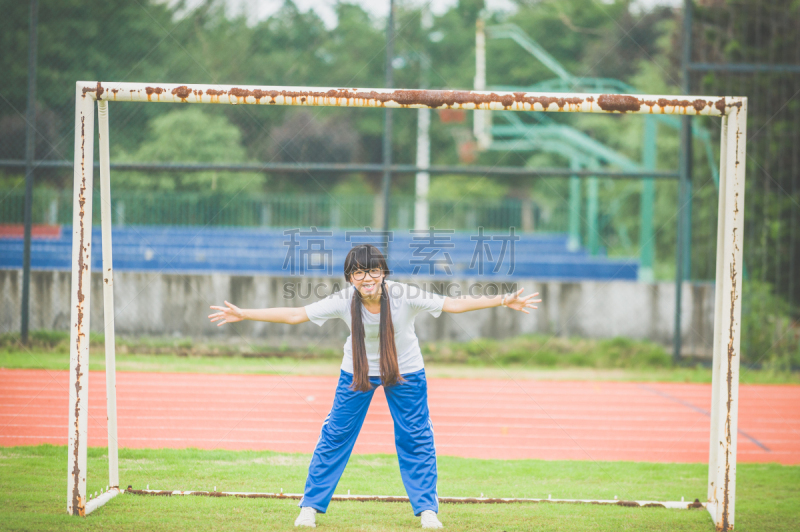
column 307, row 517
column 429, row 520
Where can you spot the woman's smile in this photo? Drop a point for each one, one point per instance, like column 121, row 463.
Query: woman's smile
column 368, row 287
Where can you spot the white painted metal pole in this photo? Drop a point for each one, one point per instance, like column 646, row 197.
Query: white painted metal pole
column 108, row 294
column 411, row 98
column 80, row 302
column 480, row 118
column 713, row 452
column 421, row 214
column 97, row 502
column 423, row 178
column 674, row 505
column 728, row 399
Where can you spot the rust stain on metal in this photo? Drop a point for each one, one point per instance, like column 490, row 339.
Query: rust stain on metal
column 440, row 99
column 98, row 90
column 404, row 98
column 698, row 105
column 153, row 90
column 721, row 105
column 734, row 296
column 475, row 500
column 165, row 493
column 623, row 103
column 257, row 94
column 215, row 94
column 695, row 504
column 618, row 102
column 182, row 92
column 266, row 496
column 629, row 504
column 379, row 498
column 78, row 503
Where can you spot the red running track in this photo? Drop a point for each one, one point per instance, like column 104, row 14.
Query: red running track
column 551, row 420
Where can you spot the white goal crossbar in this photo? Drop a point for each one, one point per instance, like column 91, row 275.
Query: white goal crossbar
column 730, row 227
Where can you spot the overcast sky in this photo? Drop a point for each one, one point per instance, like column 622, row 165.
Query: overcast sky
column 260, row 9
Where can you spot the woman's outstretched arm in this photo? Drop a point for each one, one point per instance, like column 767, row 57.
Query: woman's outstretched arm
column 456, row 305
column 231, row 314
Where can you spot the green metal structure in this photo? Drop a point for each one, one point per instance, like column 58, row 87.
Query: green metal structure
column 536, row 132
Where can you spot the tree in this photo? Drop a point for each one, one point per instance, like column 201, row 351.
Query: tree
column 191, row 135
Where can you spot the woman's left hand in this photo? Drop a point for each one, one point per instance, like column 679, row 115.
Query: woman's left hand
column 515, row 302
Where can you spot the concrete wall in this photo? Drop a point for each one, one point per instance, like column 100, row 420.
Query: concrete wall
column 156, row 304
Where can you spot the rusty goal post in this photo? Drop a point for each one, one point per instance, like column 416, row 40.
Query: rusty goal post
column 720, row 497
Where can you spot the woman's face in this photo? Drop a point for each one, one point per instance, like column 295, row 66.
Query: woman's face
column 368, row 282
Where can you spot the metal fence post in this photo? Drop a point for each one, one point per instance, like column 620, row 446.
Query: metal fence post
column 646, row 243
column 386, row 184
column 108, row 294
column 592, row 213
column 730, row 332
column 422, row 182
column 30, row 153
column 80, row 302
column 574, row 240
column 682, row 248
column 481, row 125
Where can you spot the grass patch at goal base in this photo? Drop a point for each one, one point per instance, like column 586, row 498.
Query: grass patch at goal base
column 33, row 487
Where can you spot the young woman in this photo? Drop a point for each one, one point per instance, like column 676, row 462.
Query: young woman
column 382, row 349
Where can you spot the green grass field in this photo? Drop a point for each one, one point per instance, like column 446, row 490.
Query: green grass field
column 522, row 357
column 242, row 364
column 33, row 479
column 33, row 493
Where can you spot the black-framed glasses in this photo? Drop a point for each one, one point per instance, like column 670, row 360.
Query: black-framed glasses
column 360, row 275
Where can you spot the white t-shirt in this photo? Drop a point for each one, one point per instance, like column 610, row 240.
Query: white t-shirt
column 407, row 302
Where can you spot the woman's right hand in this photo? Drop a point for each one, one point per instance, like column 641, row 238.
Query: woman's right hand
column 229, row 314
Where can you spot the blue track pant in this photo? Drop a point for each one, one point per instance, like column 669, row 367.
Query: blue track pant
column 413, row 437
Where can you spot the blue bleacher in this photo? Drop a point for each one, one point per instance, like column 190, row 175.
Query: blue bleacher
column 265, row 251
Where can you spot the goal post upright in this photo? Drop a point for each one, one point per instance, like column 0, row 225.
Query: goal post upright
column 108, row 294
column 727, row 321
column 80, row 298
column 713, row 450
column 727, row 333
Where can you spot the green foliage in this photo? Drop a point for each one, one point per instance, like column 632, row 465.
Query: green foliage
column 153, row 40
column 549, row 351
column 456, row 187
column 195, row 135
column 525, row 358
column 44, row 341
column 728, row 32
column 354, row 185
column 769, row 337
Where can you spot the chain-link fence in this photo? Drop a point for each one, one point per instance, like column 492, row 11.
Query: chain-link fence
column 167, row 42
column 281, row 210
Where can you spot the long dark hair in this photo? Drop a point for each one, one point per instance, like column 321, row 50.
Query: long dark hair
column 367, row 257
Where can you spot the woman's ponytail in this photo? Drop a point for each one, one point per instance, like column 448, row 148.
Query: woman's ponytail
column 360, row 363
column 390, row 370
